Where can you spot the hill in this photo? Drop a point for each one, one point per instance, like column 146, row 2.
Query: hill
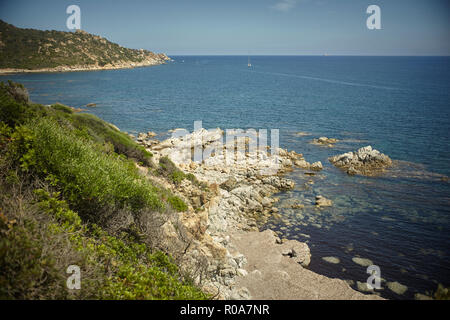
column 38, row 50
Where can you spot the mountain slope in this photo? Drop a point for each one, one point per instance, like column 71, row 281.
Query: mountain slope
column 31, row 49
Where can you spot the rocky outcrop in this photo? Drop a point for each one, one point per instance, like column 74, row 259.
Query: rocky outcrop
column 366, row 161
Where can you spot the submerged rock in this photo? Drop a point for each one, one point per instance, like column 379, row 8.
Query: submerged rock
column 362, row 261
column 323, row 202
column 366, row 161
column 334, row 260
column 362, row 286
column 324, row 141
column 396, row 287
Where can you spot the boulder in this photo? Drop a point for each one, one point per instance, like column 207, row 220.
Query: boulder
column 229, row 184
column 302, row 164
column 366, row 161
column 298, row 251
column 316, row 166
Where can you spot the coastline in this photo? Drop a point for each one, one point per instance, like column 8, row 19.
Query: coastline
column 223, row 225
column 161, row 59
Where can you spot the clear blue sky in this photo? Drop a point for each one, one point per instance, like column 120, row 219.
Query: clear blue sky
column 409, row 27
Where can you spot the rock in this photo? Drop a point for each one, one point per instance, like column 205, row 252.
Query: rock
column 302, row 134
column 240, row 260
column 291, row 203
column 323, row 202
column 151, row 134
column 196, row 202
column 302, row 164
column 142, row 136
column 366, row 161
column 91, row 105
column 397, row 287
column 227, row 272
column 324, row 141
column 242, row 272
column 266, row 202
column 316, row 166
column 229, row 184
column 279, row 183
column 362, row 286
column 296, row 250
column 420, row 296
column 362, row 262
column 240, row 294
column 352, row 171
column 333, row 260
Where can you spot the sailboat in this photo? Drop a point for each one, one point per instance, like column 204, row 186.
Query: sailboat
column 248, row 63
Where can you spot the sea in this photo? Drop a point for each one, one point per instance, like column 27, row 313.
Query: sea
column 399, row 221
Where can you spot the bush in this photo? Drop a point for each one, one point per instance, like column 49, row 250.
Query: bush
column 60, row 182
column 90, row 179
column 104, row 132
column 177, row 203
column 38, row 242
column 169, row 170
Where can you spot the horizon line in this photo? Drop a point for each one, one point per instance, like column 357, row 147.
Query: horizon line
column 308, row 55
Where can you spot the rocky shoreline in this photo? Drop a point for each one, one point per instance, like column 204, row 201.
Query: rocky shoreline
column 150, row 61
column 237, row 261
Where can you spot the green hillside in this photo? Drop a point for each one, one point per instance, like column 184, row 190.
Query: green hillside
column 71, row 194
column 36, row 49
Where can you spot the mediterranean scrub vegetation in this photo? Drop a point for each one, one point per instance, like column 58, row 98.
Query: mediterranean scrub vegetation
column 35, row 49
column 68, row 182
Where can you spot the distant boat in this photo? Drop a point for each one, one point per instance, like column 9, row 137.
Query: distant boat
column 248, row 63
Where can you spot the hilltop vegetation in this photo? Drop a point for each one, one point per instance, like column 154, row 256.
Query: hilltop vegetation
column 67, row 183
column 32, row 49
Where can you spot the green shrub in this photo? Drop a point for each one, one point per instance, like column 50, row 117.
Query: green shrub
column 61, row 107
column 177, row 203
column 59, row 177
column 169, row 170
column 90, row 179
column 38, row 243
column 104, row 132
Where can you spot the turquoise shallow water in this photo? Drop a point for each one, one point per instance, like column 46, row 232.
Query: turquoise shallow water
column 399, row 105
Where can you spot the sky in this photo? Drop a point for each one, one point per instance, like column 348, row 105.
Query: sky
column 255, row 27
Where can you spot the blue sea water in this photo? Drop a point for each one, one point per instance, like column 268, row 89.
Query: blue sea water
column 398, row 105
